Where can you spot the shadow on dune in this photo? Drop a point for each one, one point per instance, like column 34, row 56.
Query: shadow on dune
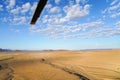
column 6, row 73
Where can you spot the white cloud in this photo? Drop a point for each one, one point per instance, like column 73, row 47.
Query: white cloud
column 66, row 30
column 78, row 1
column 114, row 2
column 16, row 20
column 45, row 19
column 115, row 15
column 91, row 25
column 25, row 7
column 72, row 12
column 106, row 31
column 51, row 19
column 48, row 6
column 65, row 23
column 1, row 7
column 75, row 12
column 55, row 10
column 20, row 14
column 16, row 10
column 57, row 1
column 82, row 1
column 117, row 24
column 11, row 4
column 19, row 20
column 78, row 30
column 33, row 7
column 113, row 9
column 104, row 11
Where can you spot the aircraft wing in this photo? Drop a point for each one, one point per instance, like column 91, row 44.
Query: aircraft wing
column 38, row 11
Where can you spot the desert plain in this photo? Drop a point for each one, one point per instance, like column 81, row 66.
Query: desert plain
column 60, row 65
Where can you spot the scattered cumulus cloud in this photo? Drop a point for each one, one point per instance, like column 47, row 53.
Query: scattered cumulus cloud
column 25, row 7
column 118, row 23
column 114, row 7
column 1, row 7
column 11, row 4
column 78, row 30
column 65, row 21
column 57, row 1
column 113, row 10
column 78, row 1
column 82, row 1
column 19, row 20
column 114, row 2
column 65, row 30
column 75, row 12
column 55, row 10
column 21, row 10
column 17, row 15
column 92, row 25
column 48, row 6
column 72, row 12
column 33, row 7
column 65, row 26
column 16, row 10
column 115, row 15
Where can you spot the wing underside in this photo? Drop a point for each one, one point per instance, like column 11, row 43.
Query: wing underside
column 38, row 11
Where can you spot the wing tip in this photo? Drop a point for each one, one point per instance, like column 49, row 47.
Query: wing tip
column 32, row 23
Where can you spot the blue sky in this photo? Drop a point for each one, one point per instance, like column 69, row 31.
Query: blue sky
column 64, row 24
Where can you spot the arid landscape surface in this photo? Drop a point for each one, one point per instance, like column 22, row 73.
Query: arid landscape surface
column 60, row 65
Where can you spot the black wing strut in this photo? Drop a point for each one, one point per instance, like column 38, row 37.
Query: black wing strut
column 38, row 11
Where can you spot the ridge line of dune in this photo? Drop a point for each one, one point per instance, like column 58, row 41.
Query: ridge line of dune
column 81, row 77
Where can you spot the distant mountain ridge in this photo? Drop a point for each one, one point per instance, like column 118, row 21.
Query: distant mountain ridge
column 5, row 50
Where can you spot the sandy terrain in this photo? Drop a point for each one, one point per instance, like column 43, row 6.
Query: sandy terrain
column 60, row 65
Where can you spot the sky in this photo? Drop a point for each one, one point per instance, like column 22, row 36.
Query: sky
column 63, row 24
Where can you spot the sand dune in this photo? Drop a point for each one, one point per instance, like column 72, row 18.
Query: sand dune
column 61, row 65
